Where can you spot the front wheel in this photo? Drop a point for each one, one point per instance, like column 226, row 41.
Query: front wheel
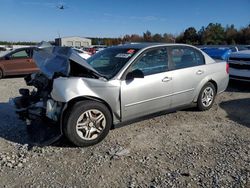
column 87, row 123
column 206, row 97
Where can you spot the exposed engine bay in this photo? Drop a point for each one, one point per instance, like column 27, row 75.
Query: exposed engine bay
column 53, row 62
column 36, row 105
column 38, row 110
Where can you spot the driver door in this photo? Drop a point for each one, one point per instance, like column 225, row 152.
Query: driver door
column 143, row 96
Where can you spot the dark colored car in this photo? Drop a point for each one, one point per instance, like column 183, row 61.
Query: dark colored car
column 17, row 62
column 218, row 53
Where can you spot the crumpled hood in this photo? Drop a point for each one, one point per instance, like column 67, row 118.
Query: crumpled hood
column 53, row 59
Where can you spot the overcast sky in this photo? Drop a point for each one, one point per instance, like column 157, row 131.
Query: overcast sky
column 36, row 20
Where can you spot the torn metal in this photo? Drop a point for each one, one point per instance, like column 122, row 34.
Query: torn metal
column 63, row 76
column 56, row 60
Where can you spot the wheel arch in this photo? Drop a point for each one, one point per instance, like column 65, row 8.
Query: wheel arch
column 73, row 101
column 201, row 85
column 215, row 85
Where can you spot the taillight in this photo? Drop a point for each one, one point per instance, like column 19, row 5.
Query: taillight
column 227, row 68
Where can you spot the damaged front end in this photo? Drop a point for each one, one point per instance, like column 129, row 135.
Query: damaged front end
column 53, row 62
column 38, row 102
column 39, row 111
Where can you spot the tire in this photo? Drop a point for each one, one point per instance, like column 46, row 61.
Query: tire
column 206, row 97
column 87, row 123
column 1, row 73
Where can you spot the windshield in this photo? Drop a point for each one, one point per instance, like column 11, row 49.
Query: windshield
column 110, row 61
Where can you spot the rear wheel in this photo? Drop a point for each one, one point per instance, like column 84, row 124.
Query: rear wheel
column 206, row 97
column 87, row 123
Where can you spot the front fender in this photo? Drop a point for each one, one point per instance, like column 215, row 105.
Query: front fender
column 67, row 89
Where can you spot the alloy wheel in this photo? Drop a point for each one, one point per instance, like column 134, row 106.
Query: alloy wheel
column 90, row 124
column 207, row 96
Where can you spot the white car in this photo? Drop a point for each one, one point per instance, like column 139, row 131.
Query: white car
column 82, row 53
column 239, row 65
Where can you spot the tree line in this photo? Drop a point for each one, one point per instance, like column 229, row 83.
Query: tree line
column 212, row 34
column 215, row 34
column 17, row 43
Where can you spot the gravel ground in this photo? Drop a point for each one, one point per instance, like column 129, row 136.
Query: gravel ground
column 180, row 149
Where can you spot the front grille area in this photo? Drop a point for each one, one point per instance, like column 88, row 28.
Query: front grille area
column 240, row 78
column 240, row 58
column 239, row 66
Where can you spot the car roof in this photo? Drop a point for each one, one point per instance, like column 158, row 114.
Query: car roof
column 146, row 45
column 15, row 49
column 23, row 48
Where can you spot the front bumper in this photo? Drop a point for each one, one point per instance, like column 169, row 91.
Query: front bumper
column 29, row 108
column 42, row 119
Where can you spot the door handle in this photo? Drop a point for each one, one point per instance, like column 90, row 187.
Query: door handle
column 166, row 79
column 199, row 72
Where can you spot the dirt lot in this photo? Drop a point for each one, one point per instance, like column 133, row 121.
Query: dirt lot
column 181, row 149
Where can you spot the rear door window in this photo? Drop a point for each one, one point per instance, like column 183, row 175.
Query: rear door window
column 184, row 57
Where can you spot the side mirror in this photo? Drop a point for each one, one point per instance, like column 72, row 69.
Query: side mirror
column 135, row 74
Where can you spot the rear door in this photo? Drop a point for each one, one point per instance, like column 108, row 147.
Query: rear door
column 19, row 62
column 142, row 96
column 187, row 67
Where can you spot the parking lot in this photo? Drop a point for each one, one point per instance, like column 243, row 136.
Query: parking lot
column 180, row 149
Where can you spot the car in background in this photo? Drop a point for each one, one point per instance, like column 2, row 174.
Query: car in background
column 117, row 85
column 238, row 48
column 239, row 65
column 82, row 53
column 99, row 48
column 17, row 62
column 222, row 52
column 2, row 49
column 90, row 50
column 94, row 49
column 218, row 53
column 248, row 47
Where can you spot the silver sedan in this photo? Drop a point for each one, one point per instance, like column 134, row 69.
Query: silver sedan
column 123, row 83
